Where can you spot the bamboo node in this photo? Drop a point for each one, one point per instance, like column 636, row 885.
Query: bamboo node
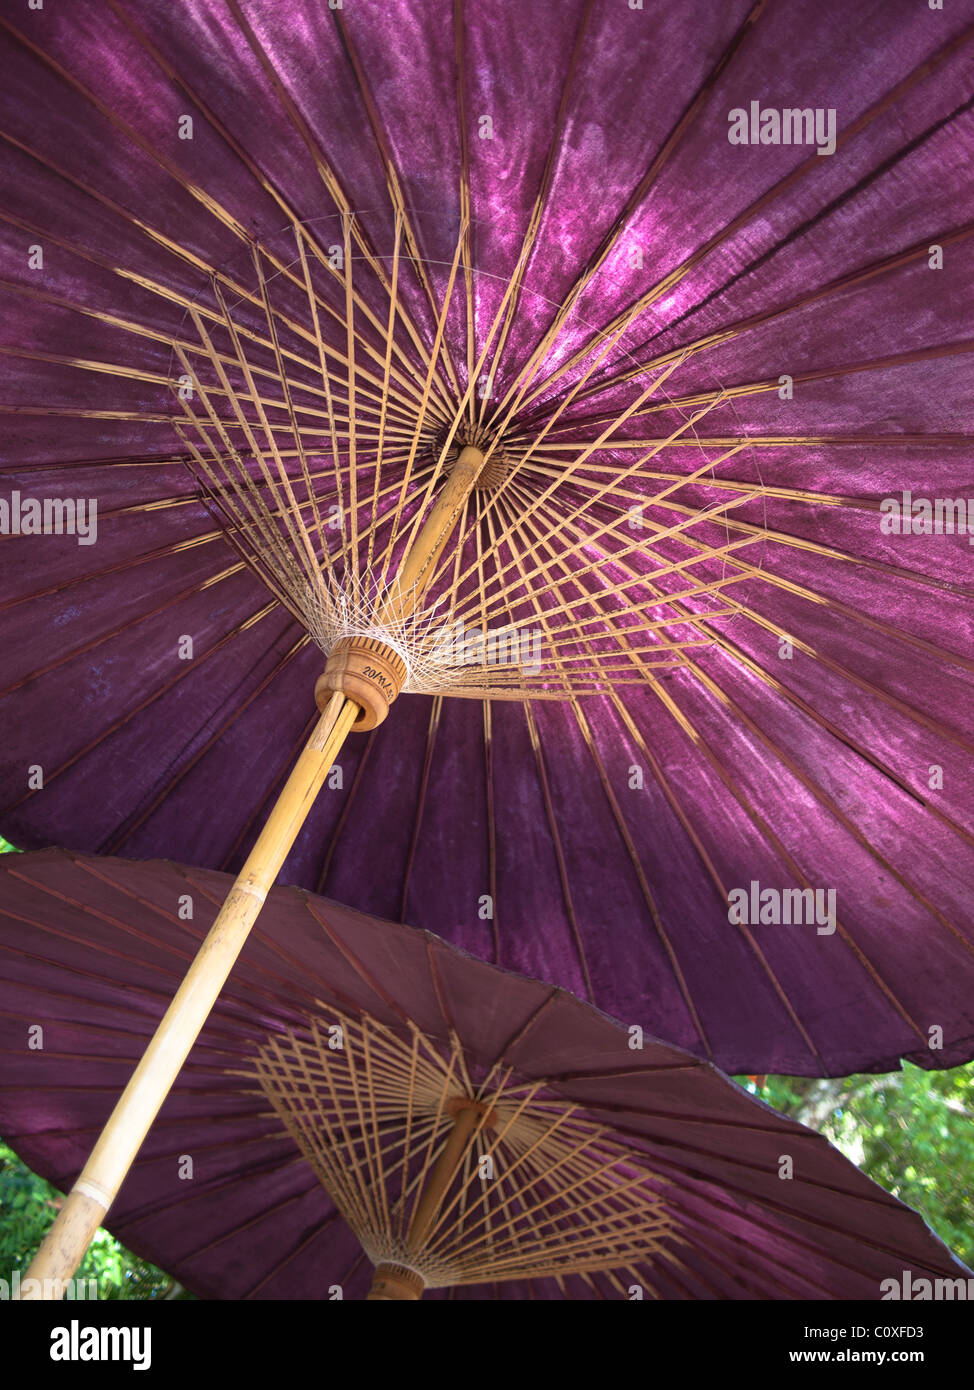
column 365, row 670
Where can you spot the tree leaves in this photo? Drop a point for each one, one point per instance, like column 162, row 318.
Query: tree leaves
column 910, row 1130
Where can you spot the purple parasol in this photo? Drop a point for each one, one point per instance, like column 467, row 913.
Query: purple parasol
column 754, row 836
column 617, row 1171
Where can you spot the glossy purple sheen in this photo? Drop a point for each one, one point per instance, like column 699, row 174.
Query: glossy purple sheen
column 810, row 771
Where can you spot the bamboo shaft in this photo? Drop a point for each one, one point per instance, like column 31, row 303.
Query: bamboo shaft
column 419, row 564
column 66, row 1242
column 64, row 1245
column 397, row 1282
column 427, row 1209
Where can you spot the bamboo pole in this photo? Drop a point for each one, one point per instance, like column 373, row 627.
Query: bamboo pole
column 65, row 1244
column 392, row 1282
column 79, row 1218
column 419, row 564
column 428, row 1207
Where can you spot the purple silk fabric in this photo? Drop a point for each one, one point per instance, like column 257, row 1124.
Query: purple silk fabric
column 93, row 948
column 818, row 770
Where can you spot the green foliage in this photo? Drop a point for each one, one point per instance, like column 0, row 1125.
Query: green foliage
column 911, row 1131
column 28, row 1205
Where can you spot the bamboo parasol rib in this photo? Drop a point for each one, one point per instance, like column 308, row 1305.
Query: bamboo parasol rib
column 447, row 1182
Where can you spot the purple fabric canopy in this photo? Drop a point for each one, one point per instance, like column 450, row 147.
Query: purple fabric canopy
column 92, row 950
column 818, row 741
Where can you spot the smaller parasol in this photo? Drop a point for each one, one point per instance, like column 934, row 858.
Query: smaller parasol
column 371, row 1111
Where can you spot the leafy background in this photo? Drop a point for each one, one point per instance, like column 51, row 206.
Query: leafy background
column 910, row 1130
column 28, row 1205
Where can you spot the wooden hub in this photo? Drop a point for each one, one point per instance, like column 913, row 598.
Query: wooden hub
column 456, row 1104
column 494, row 471
column 365, row 670
column 392, row 1283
